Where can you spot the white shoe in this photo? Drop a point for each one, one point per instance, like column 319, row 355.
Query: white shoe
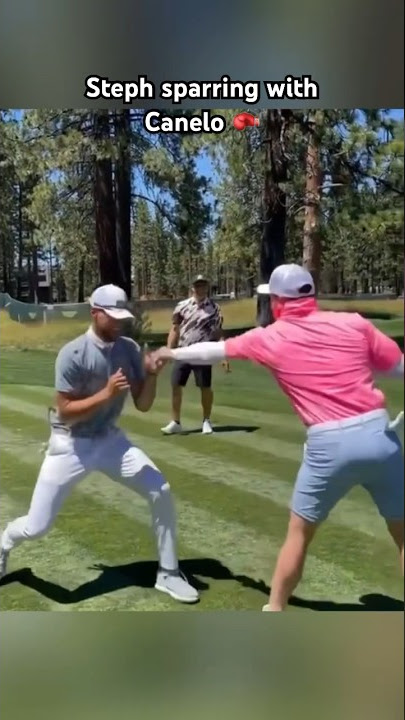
column 176, row 585
column 172, row 428
column 3, row 562
column 207, row 428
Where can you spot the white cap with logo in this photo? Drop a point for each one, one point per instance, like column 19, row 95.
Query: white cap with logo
column 200, row 279
column 289, row 281
column 112, row 300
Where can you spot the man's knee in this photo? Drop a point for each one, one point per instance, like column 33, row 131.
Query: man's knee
column 301, row 530
column 153, row 484
column 34, row 531
column 156, row 481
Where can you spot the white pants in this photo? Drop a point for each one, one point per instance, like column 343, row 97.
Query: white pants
column 68, row 460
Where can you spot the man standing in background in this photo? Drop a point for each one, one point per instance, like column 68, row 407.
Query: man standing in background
column 197, row 319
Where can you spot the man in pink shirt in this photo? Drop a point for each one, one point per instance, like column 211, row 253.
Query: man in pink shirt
column 325, row 363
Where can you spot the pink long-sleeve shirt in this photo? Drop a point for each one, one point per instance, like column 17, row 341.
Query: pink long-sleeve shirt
column 323, row 361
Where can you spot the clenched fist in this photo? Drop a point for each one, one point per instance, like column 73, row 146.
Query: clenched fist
column 117, row 384
column 150, row 364
column 162, row 356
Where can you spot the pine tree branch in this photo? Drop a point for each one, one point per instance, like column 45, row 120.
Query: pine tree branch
column 157, row 204
column 356, row 169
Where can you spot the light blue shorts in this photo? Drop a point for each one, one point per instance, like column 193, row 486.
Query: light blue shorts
column 340, row 455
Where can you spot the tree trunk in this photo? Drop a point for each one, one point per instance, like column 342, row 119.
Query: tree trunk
column 58, row 282
column 33, row 276
column 104, row 206
column 312, row 234
column 5, row 266
column 272, row 246
column 123, row 199
column 51, row 274
column 20, row 242
column 80, row 281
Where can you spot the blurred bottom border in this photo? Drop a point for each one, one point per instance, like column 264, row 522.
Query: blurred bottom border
column 220, row 664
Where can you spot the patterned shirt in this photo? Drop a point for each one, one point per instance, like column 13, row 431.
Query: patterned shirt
column 198, row 321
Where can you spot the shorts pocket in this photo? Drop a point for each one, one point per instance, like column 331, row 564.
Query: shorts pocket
column 322, row 454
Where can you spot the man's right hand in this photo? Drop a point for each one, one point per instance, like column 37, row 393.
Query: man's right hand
column 162, row 356
column 117, row 384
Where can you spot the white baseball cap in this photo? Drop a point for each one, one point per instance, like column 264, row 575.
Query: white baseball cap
column 200, row 279
column 289, row 281
column 113, row 300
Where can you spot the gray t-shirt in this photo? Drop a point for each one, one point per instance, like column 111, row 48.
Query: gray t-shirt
column 83, row 367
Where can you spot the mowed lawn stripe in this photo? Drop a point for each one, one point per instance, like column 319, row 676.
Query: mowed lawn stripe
column 16, row 593
column 271, row 440
column 43, row 557
column 249, row 391
column 248, row 395
column 372, row 559
column 65, row 560
column 243, row 552
column 206, row 534
column 356, row 513
column 279, row 421
column 213, row 446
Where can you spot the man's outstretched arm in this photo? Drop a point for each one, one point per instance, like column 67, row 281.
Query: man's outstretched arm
column 386, row 357
column 398, row 370
column 204, row 353
column 247, row 346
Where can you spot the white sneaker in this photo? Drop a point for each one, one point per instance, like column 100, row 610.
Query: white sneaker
column 176, row 585
column 172, row 428
column 207, row 428
column 3, row 562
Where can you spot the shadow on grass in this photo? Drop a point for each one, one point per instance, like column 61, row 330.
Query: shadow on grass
column 224, row 429
column 198, row 570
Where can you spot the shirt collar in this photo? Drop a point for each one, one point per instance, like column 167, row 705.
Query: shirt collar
column 200, row 303
column 298, row 308
column 98, row 341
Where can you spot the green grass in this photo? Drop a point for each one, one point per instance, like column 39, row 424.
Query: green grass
column 237, row 314
column 231, row 489
column 242, row 313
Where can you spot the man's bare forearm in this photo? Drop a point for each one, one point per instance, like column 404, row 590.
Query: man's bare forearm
column 146, row 397
column 80, row 409
column 173, row 338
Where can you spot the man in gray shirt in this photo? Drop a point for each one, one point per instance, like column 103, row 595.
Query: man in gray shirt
column 94, row 374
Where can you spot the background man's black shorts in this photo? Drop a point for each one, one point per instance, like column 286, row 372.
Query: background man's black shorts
column 182, row 371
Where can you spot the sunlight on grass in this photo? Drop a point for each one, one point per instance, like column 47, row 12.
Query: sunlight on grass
column 237, row 314
column 33, row 335
column 242, row 313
